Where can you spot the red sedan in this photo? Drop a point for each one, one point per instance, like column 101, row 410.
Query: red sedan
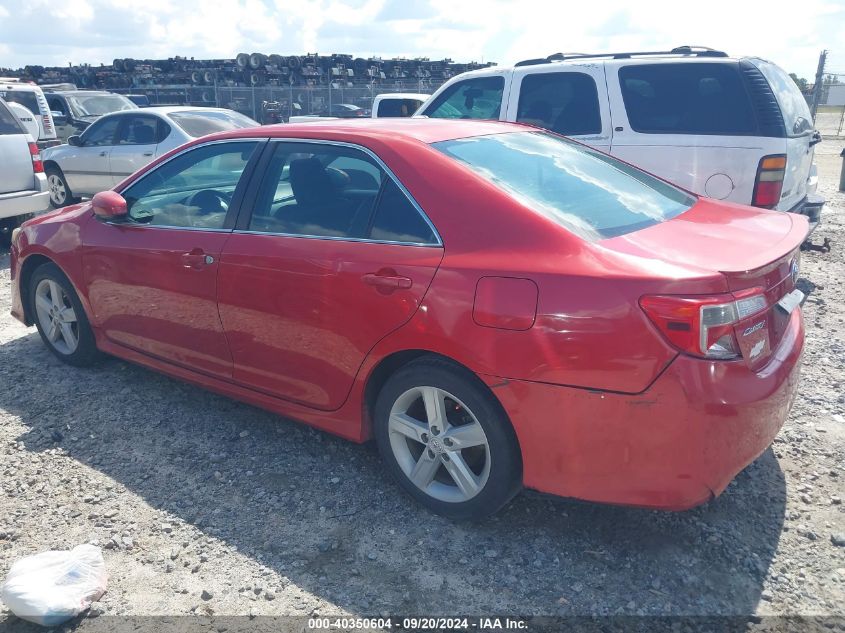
column 496, row 305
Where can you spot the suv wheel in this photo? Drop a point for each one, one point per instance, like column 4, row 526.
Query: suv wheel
column 446, row 441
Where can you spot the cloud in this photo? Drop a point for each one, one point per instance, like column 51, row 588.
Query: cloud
column 46, row 32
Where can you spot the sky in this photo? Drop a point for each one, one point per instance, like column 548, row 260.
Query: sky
column 52, row 32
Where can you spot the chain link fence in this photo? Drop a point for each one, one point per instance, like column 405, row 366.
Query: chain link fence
column 830, row 120
column 268, row 104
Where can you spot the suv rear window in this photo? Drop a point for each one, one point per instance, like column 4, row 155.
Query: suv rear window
column 26, row 98
column 566, row 103
column 793, row 107
column 479, row 98
column 687, row 98
column 589, row 193
column 8, row 123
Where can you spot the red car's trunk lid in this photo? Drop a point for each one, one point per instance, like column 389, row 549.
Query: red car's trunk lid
column 752, row 248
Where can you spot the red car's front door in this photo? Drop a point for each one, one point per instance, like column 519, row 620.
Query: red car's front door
column 152, row 280
column 333, row 257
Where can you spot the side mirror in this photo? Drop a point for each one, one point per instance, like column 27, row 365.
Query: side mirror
column 58, row 118
column 109, row 205
column 75, row 140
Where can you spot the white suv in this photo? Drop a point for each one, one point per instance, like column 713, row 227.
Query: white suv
column 729, row 128
column 23, row 185
column 27, row 101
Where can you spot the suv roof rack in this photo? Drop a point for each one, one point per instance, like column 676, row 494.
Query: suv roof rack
column 697, row 51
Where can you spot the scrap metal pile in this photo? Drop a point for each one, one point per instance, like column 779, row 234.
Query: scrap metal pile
column 254, row 70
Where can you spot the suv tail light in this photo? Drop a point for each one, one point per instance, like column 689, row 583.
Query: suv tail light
column 35, row 154
column 769, row 182
column 704, row 325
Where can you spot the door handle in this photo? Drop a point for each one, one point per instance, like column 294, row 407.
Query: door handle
column 102, row 153
column 394, row 281
column 148, row 153
column 196, row 259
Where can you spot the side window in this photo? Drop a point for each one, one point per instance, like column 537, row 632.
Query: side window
column 193, row 190
column 566, row 103
column 686, row 98
column 479, row 98
column 317, row 190
column 397, row 219
column 162, row 131
column 56, row 105
column 101, row 132
column 397, row 107
column 137, row 130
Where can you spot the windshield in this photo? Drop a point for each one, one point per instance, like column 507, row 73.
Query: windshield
column 585, row 191
column 8, row 122
column 98, row 105
column 198, row 123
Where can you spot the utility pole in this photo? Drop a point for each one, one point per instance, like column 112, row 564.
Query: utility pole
column 817, row 88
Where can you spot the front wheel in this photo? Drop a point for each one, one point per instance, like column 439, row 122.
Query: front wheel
column 60, row 193
column 60, row 317
column 447, row 441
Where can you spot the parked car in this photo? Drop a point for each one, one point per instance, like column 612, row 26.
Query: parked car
column 118, row 144
column 397, row 104
column 729, row 128
column 142, row 101
column 23, row 185
column 343, row 111
column 31, row 97
column 74, row 110
column 579, row 327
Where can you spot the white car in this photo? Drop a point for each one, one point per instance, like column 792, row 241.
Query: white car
column 119, row 144
column 728, row 128
column 23, row 186
column 397, row 104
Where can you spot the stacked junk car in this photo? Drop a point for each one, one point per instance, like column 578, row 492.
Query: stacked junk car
column 292, row 84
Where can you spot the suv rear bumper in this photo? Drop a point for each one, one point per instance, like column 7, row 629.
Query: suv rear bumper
column 23, row 202
column 811, row 206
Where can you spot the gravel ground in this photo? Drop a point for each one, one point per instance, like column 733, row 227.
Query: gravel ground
column 208, row 506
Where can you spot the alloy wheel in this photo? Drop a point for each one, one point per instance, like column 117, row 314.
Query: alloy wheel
column 439, row 444
column 58, row 191
column 56, row 316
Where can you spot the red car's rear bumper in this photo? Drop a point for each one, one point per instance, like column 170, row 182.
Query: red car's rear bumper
column 674, row 446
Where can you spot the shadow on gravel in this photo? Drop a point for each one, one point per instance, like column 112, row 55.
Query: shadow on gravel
column 319, row 511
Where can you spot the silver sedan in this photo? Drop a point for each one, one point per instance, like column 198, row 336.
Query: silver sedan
column 119, row 144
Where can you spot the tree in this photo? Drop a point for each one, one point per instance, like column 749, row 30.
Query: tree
column 799, row 81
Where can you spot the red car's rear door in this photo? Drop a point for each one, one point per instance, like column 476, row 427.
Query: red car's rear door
column 152, row 279
column 333, row 256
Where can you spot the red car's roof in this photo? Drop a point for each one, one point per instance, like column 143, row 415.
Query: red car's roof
column 425, row 130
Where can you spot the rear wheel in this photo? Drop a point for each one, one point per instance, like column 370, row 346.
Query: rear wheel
column 60, row 193
column 447, row 441
column 60, row 317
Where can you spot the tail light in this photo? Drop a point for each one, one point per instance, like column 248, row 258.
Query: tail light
column 704, row 325
column 769, row 182
column 35, row 154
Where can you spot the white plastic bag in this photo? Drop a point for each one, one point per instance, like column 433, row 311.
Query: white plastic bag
column 52, row 587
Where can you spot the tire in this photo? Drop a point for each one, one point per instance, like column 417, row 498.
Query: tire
column 48, row 283
column 490, row 464
column 60, row 193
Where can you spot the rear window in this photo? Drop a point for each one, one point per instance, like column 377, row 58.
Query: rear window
column 196, row 123
column 25, row 97
column 793, row 106
column 8, row 122
column 479, row 98
column 587, row 192
column 689, row 98
column 398, row 107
